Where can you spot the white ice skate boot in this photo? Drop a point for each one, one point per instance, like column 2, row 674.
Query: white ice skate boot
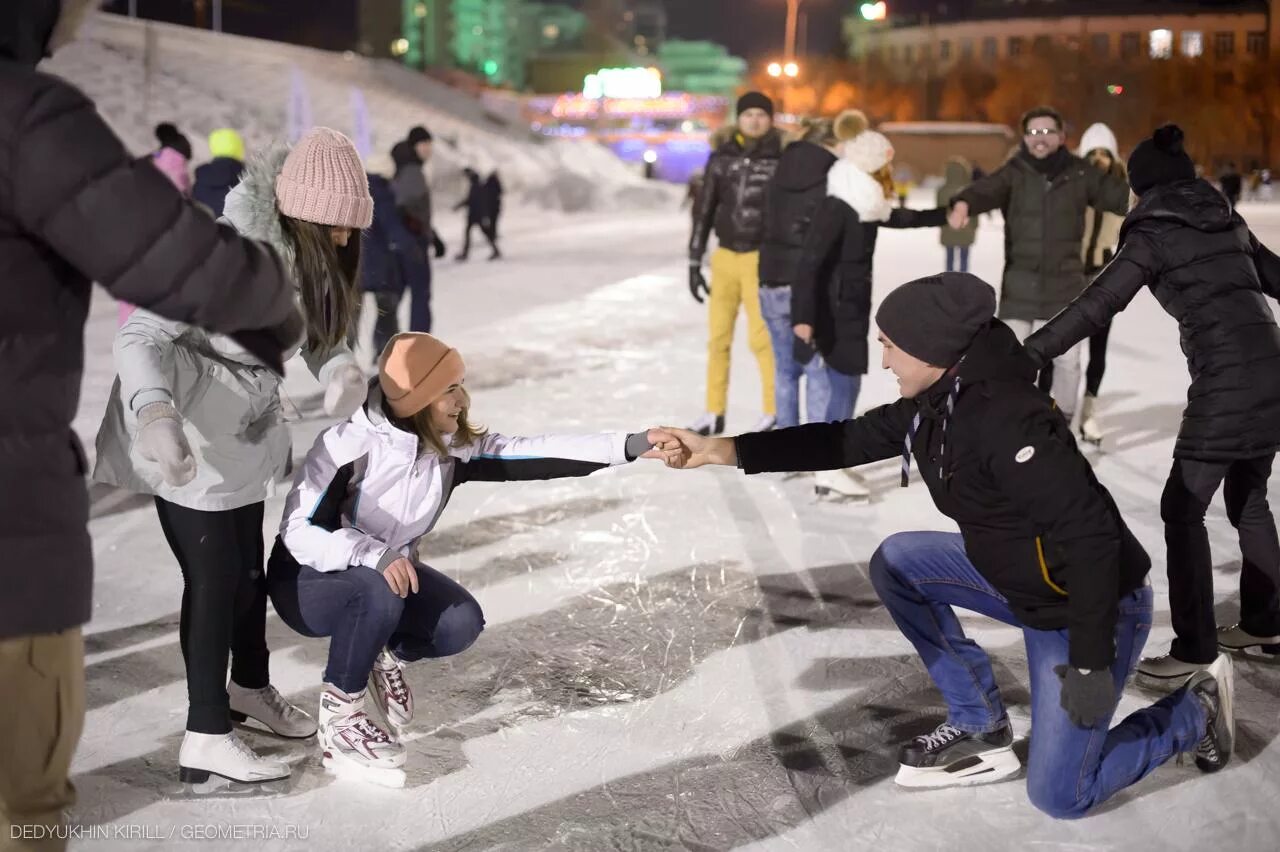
column 708, row 424
column 270, row 708
column 224, row 755
column 354, row 745
column 1090, row 428
column 840, row 485
column 765, row 423
column 394, row 697
column 951, row 758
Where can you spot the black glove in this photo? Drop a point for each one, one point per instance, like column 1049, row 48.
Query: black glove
column 437, row 245
column 697, row 283
column 1089, row 699
column 269, row 344
column 801, row 352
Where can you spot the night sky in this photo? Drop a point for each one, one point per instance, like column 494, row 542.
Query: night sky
column 750, row 28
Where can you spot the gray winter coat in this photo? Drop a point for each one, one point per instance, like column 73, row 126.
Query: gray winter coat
column 1044, row 228
column 229, row 400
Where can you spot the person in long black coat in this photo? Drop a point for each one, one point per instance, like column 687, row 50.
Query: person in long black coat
column 1211, row 274
column 795, row 191
column 831, row 296
column 78, row 208
column 477, row 214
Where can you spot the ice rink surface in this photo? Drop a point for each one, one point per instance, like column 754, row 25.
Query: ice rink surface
column 672, row 660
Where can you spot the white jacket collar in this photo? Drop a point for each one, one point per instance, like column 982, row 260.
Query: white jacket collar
column 859, row 190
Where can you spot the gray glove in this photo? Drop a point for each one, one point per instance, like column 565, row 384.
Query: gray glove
column 346, row 391
column 160, row 440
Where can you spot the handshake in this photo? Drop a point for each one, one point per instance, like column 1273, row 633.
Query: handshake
column 684, row 450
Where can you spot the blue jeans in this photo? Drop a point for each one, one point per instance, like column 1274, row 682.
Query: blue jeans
column 844, row 395
column 963, row 253
column 361, row 615
column 920, row 576
column 775, row 305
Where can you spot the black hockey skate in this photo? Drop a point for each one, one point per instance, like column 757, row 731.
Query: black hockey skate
column 949, row 757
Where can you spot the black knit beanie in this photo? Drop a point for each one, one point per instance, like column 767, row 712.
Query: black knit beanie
column 419, row 134
column 755, row 100
column 936, row 318
column 170, row 137
column 1160, row 160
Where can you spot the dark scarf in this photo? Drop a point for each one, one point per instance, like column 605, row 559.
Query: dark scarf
column 1052, row 165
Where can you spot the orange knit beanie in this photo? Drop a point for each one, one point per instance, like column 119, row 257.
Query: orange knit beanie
column 415, row 370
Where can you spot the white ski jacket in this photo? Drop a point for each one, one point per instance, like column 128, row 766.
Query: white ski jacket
column 365, row 495
column 229, row 400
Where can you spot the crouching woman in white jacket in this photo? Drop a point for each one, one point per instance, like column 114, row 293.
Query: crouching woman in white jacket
column 195, row 420
column 345, row 565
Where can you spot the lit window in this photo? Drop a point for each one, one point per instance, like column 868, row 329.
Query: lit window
column 420, row 10
column 551, row 32
column 1192, row 43
column 1161, row 44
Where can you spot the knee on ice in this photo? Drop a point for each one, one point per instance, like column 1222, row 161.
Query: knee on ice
column 1057, row 802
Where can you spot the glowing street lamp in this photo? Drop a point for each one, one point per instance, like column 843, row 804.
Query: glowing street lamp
column 874, row 11
column 791, row 69
column 775, row 69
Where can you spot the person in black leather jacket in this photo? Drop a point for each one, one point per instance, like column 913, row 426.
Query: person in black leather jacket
column 732, row 202
column 1211, row 274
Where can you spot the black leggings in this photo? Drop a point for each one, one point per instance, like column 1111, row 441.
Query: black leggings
column 1187, row 494
column 1097, row 361
column 224, row 606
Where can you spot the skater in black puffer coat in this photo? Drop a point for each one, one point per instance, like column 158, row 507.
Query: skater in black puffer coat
column 1211, row 274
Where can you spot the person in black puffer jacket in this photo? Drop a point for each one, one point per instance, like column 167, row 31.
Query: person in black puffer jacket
column 733, row 201
column 797, row 188
column 1212, row 275
column 76, row 207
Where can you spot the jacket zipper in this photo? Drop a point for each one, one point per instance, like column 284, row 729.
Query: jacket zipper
column 1044, row 569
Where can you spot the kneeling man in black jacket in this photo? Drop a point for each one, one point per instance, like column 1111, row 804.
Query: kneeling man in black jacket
column 1041, row 546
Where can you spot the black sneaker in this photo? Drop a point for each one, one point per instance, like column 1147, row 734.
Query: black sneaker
column 708, row 424
column 949, row 757
column 1215, row 687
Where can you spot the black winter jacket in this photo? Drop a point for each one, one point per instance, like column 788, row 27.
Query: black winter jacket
column 1213, row 276
column 75, row 208
column 1044, row 227
column 797, row 188
column 1036, row 522
column 733, row 195
column 832, row 289
column 214, row 180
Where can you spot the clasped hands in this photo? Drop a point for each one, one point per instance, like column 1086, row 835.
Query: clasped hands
column 684, row 450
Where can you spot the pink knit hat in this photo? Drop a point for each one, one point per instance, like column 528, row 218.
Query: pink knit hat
column 323, row 181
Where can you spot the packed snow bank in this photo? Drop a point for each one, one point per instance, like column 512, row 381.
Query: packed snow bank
column 141, row 73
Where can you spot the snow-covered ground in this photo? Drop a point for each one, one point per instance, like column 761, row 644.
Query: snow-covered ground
column 141, row 73
column 672, row 660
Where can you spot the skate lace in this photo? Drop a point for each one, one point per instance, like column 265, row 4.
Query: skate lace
column 368, row 729
column 396, row 687
column 242, row 751
column 943, row 735
column 277, row 703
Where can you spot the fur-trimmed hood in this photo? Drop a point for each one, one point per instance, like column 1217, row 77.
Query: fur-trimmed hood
column 251, row 205
column 859, row 190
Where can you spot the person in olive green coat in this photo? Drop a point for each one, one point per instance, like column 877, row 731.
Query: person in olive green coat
column 1043, row 191
column 957, row 241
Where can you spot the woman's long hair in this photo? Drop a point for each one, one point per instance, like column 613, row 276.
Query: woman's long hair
column 328, row 278
column 884, row 177
column 429, row 438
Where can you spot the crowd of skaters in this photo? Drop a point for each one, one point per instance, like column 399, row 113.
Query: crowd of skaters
column 1041, row 543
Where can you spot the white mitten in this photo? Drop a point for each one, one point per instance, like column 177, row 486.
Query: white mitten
column 160, row 440
column 346, row 391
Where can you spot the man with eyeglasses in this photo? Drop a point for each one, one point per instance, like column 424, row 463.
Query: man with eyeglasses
column 1043, row 191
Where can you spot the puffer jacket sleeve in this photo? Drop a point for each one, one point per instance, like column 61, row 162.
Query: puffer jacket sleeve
column 501, row 458
column 1135, row 266
column 121, row 223
column 314, row 528
column 1108, row 192
column 704, row 210
column 143, row 351
column 989, row 192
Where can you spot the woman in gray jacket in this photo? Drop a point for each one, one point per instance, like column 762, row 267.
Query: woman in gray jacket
column 195, row 420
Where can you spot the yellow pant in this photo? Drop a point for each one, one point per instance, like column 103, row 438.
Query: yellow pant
column 41, row 716
column 735, row 280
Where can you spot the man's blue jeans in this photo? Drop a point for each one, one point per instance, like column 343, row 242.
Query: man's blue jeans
column 920, row 576
column 775, row 305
